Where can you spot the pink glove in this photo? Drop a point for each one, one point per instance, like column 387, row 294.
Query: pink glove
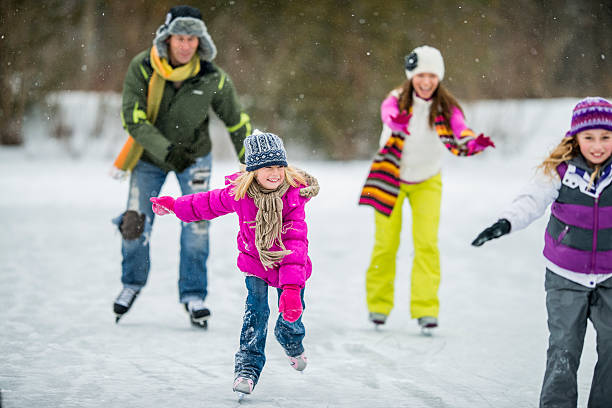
column 399, row 122
column 479, row 144
column 290, row 303
column 392, row 117
column 163, row 205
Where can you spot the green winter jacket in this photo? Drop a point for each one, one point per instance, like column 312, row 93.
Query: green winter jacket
column 183, row 116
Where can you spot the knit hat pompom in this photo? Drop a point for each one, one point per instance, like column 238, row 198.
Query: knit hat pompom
column 424, row 59
column 591, row 113
column 185, row 20
column 263, row 150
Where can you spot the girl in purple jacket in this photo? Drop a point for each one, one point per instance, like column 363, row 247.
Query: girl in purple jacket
column 269, row 198
column 575, row 179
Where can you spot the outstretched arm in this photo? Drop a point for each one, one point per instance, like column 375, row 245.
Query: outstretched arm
column 501, row 227
column 464, row 142
column 196, row 207
column 392, row 117
column 528, row 206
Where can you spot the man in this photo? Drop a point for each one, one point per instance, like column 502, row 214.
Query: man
column 167, row 94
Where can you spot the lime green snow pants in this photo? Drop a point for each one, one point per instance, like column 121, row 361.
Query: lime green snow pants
column 424, row 200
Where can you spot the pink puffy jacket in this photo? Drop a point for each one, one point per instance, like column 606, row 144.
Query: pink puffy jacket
column 294, row 268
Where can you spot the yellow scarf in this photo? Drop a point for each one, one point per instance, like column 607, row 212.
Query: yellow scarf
column 162, row 72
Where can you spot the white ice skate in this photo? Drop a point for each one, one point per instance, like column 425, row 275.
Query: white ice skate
column 243, row 386
column 298, row 362
column 378, row 319
column 124, row 302
column 198, row 313
column 427, row 324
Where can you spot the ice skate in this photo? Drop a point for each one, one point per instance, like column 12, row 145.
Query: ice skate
column 243, row 386
column 124, row 302
column 378, row 319
column 427, row 324
column 298, row 362
column 198, row 313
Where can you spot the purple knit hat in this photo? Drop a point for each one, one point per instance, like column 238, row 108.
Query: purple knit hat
column 591, row 113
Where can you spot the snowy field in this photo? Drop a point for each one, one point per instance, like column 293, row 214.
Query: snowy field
column 60, row 271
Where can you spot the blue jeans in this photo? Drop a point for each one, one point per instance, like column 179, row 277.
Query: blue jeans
column 250, row 358
column 145, row 182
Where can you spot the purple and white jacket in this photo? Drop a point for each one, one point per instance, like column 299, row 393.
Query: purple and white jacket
column 578, row 238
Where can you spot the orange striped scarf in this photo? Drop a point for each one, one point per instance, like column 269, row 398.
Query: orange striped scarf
column 383, row 182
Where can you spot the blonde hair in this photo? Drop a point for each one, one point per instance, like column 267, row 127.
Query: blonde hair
column 566, row 150
column 293, row 176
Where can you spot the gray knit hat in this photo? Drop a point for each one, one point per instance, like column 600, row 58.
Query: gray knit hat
column 185, row 20
column 263, row 150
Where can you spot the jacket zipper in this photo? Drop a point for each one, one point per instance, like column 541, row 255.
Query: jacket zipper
column 595, row 227
column 562, row 234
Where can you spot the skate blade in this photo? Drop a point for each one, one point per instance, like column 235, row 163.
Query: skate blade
column 200, row 324
column 199, row 319
column 427, row 331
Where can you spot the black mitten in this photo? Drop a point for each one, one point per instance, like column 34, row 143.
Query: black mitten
column 178, row 158
column 501, row 227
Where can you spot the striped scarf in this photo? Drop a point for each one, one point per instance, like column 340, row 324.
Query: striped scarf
column 383, row 182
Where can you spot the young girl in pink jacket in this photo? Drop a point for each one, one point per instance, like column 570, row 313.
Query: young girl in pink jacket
column 269, row 198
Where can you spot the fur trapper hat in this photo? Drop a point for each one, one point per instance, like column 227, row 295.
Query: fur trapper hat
column 424, row 59
column 185, row 20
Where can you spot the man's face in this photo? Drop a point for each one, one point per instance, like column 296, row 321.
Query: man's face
column 181, row 48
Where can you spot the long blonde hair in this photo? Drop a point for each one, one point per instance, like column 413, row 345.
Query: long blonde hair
column 293, row 176
column 566, row 150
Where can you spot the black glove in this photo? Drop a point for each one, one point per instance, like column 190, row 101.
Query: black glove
column 179, row 158
column 501, row 227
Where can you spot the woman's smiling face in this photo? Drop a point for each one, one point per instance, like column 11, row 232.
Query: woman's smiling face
column 425, row 84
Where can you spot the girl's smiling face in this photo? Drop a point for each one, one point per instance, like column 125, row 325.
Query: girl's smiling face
column 595, row 145
column 270, row 177
column 425, row 84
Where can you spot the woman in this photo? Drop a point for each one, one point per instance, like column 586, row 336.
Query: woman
column 420, row 118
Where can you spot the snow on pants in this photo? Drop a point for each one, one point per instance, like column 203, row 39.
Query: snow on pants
column 569, row 306
column 424, row 201
column 146, row 181
column 250, row 357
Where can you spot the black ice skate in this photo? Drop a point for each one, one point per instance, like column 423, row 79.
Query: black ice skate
column 198, row 313
column 124, row 302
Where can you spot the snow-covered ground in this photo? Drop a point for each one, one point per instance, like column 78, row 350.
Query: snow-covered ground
column 60, row 271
